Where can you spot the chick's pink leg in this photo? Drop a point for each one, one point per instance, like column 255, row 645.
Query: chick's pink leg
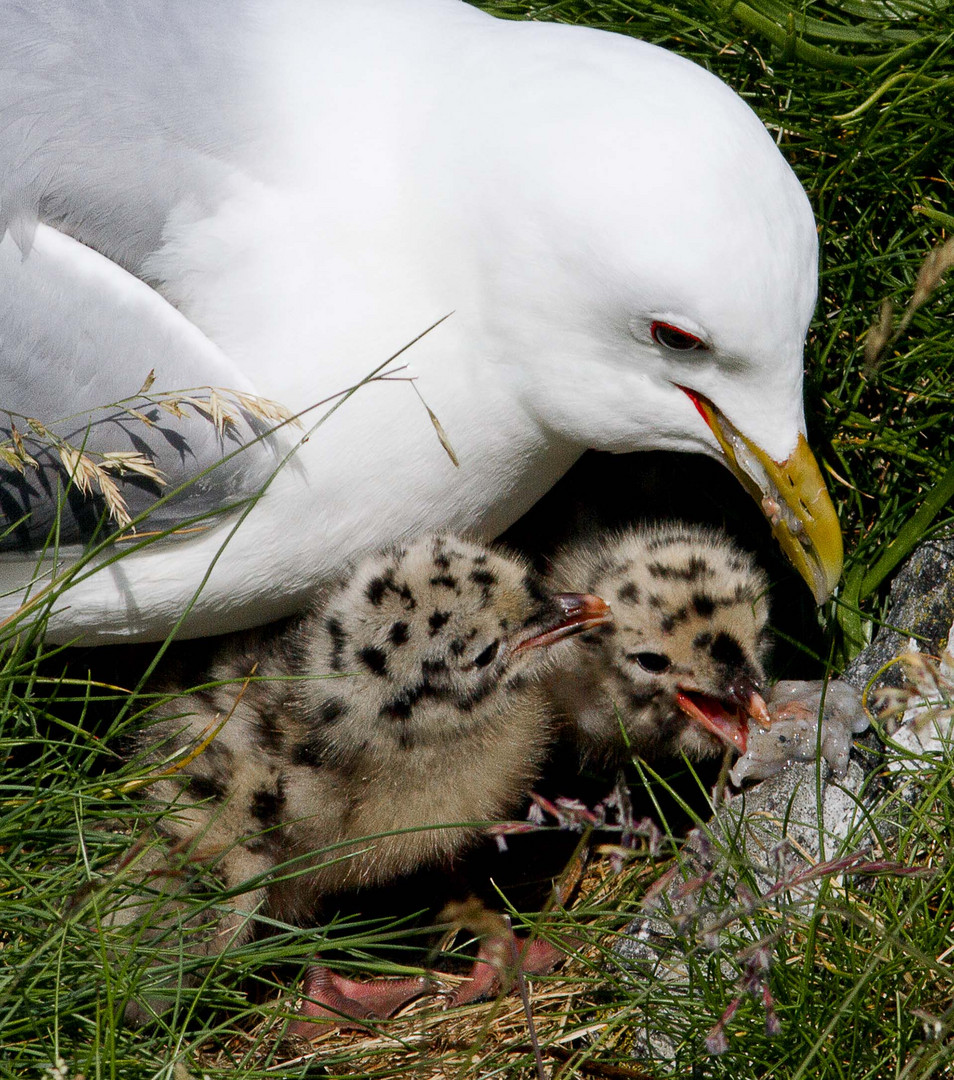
column 499, row 960
column 333, row 1000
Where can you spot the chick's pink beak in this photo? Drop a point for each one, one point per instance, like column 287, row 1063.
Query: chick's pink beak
column 575, row 613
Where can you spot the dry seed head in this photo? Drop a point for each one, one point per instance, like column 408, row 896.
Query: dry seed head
column 171, row 405
column 879, row 335
column 80, row 468
column 13, row 460
column 214, row 409
column 264, row 408
column 140, row 416
column 115, row 503
column 932, row 271
column 123, row 461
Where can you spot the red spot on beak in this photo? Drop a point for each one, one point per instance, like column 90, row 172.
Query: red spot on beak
column 696, row 400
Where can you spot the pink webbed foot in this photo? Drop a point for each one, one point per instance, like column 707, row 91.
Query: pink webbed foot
column 335, row 1001
column 500, row 959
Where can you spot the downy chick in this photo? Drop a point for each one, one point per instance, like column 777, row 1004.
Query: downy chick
column 680, row 667
column 409, row 700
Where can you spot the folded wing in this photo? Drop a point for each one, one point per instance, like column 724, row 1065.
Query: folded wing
column 81, row 340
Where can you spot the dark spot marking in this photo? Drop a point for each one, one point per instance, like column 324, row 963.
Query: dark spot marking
column 308, row 754
column 442, row 561
column 628, row 593
column 667, row 624
column 680, row 615
column 373, row 659
column 266, row 805
column 399, row 634
column 692, row 571
column 400, row 708
column 432, row 667
column 703, row 604
column 697, row 568
column 268, row 732
column 457, row 647
column 379, row 586
column 483, row 577
column 726, row 650
column 669, row 540
column 338, row 641
column 702, row 641
column 438, row 621
column 376, row 589
column 447, row 580
column 204, row 787
column 330, row 709
column 466, row 702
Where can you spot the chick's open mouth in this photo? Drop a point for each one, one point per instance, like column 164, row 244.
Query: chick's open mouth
column 727, row 721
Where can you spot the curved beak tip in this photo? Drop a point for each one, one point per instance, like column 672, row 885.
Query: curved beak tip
column 809, row 532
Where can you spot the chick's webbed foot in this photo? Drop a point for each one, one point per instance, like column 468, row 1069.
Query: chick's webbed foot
column 499, row 961
column 331, row 1000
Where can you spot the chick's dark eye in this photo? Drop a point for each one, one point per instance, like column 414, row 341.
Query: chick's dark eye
column 671, row 337
column 486, row 657
column 653, row 662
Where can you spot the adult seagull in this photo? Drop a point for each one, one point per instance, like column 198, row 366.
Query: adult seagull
column 271, row 197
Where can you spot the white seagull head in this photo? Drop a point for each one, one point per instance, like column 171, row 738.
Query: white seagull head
column 659, row 271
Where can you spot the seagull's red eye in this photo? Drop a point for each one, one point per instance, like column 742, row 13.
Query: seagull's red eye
column 671, row 337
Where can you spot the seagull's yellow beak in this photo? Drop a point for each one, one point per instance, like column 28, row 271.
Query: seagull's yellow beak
column 792, row 495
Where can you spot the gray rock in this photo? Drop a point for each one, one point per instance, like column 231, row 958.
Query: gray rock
column 921, row 605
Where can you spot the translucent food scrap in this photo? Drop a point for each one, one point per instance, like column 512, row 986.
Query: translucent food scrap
column 793, row 734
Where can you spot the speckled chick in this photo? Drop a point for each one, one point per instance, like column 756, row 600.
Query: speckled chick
column 680, row 666
column 410, row 699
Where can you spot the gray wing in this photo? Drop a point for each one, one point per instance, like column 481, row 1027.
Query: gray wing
column 78, row 338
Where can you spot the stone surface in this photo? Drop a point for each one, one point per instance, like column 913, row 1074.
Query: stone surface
column 921, row 605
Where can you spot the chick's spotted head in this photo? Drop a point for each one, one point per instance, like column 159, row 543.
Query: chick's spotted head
column 682, row 661
column 448, row 620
